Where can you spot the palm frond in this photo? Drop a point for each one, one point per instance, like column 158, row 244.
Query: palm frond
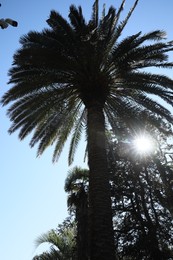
column 65, row 131
column 103, row 11
column 76, row 137
column 134, row 116
column 61, row 244
column 95, row 14
column 50, row 237
column 75, row 174
column 154, row 106
column 59, row 24
column 120, row 27
column 120, row 9
column 76, row 19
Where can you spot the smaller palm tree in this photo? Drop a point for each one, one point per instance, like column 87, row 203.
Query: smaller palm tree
column 62, row 245
column 76, row 185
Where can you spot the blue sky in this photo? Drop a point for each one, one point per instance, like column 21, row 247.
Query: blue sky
column 32, row 198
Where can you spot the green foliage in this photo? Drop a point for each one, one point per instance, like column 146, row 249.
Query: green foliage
column 141, row 193
column 62, row 243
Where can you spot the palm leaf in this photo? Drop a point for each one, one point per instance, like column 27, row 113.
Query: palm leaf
column 76, row 136
column 77, row 20
column 95, row 13
column 74, row 175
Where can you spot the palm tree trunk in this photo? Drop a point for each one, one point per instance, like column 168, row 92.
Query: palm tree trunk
column 101, row 239
column 82, row 225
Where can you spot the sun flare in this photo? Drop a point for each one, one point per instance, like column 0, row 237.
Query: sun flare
column 143, row 144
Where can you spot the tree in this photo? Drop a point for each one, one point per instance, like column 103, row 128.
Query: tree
column 78, row 75
column 76, row 185
column 140, row 196
column 61, row 241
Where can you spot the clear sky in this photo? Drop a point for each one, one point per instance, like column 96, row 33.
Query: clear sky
column 32, row 198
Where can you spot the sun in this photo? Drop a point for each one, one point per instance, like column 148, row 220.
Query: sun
column 143, row 144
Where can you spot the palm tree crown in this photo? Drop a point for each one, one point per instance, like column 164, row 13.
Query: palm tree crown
column 60, row 72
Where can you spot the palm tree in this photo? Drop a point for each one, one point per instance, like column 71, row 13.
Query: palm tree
column 79, row 75
column 62, row 245
column 76, row 185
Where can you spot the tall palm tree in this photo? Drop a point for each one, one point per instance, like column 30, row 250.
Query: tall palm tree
column 78, row 75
